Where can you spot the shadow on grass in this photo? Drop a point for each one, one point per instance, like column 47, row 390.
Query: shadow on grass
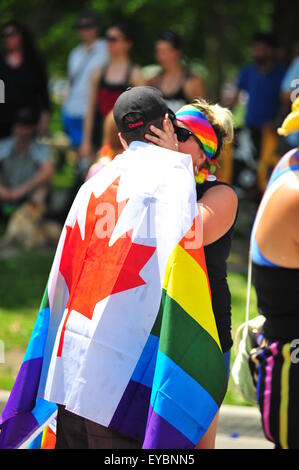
column 23, row 279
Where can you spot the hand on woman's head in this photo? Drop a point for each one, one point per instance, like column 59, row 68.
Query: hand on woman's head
column 165, row 137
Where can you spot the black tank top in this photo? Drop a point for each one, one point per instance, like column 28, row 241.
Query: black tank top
column 216, row 258
column 177, row 99
column 278, row 300
column 108, row 93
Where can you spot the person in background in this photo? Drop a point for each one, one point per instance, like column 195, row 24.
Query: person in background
column 110, row 148
column 107, row 84
column 203, row 130
column 23, row 72
column 275, row 274
column 178, row 84
column 91, row 53
column 261, row 80
column 26, row 166
column 289, row 91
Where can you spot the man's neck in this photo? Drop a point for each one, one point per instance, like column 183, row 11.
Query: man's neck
column 267, row 67
column 89, row 44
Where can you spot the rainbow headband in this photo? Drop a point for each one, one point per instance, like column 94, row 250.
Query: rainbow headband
column 197, row 122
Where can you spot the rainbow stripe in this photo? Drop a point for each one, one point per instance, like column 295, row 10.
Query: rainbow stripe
column 180, row 379
column 25, row 414
column 284, row 399
column 197, row 122
column 267, row 392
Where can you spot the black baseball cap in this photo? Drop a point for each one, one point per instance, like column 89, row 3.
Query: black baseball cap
column 145, row 100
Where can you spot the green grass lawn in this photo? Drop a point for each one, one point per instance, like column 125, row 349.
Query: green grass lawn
column 22, row 282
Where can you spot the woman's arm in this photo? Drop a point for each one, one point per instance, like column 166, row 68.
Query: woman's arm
column 41, row 177
column 44, row 98
column 86, row 146
column 218, row 208
column 137, row 78
column 194, row 88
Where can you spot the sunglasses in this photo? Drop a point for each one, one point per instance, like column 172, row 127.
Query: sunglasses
column 112, row 38
column 184, row 134
column 9, row 34
column 86, row 26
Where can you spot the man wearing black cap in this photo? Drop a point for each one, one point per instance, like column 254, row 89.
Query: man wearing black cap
column 135, row 111
column 89, row 55
column 139, row 108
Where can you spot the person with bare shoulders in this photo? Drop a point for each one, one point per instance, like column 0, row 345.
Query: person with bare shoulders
column 178, row 84
column 275, row 269
column 202, row 131
column 107, row 84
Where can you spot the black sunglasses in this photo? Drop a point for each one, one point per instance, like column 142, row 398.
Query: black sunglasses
column 112, row 38
column 10, row 33
column 184, row 134
column 86, row 26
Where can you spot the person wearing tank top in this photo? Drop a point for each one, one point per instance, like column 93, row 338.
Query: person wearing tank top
column 275, row 268
column 177, row 84
column 107, row 84
column 201, row 131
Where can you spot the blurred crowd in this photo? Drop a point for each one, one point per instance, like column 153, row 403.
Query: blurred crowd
column 99, row 69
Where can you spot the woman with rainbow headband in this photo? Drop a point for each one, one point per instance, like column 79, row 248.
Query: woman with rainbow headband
column 201, row 130
column 275, row 268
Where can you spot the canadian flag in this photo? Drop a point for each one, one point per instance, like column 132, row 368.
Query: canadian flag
column 106, row 280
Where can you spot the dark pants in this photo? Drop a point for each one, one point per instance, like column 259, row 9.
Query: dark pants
column 75, row 432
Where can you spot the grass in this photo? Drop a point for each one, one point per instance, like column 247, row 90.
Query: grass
column 238, row 286
column 22, row 281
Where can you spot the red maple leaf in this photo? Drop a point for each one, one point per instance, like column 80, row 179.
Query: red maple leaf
column 92, row 269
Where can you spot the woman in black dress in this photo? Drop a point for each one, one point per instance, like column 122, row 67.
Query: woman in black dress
column 25, row 79
column 201, row 130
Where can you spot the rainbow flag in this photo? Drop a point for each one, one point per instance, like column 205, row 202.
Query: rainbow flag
column 125, row 335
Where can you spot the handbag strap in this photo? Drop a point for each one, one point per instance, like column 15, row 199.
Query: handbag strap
column 245, row 325
column 249, row 278
column 82, row 66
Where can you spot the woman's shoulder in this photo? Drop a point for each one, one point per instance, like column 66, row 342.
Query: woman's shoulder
column 193, row 85
column 136, row 75
column 221, row 198
column 216, row 187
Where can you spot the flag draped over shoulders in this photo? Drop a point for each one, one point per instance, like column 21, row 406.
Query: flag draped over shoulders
column 125, row 335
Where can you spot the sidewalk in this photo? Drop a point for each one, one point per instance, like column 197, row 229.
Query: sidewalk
column 239, row 427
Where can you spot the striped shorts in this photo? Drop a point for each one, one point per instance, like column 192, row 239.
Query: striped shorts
column 275, row 370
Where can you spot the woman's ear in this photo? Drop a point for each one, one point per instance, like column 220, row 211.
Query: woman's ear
column 123, row 141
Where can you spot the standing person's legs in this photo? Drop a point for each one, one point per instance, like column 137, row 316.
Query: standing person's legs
column 75, row 432
column 208, row 440
column 100, row 437
column 71, row 430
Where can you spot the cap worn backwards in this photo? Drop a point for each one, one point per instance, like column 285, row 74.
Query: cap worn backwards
column 146, row 101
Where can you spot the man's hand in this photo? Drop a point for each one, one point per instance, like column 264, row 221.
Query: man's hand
column 5, row 193
column 11, row 194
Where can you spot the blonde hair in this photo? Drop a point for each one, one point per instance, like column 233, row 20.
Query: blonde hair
column 221, row 119
column 110, row 133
